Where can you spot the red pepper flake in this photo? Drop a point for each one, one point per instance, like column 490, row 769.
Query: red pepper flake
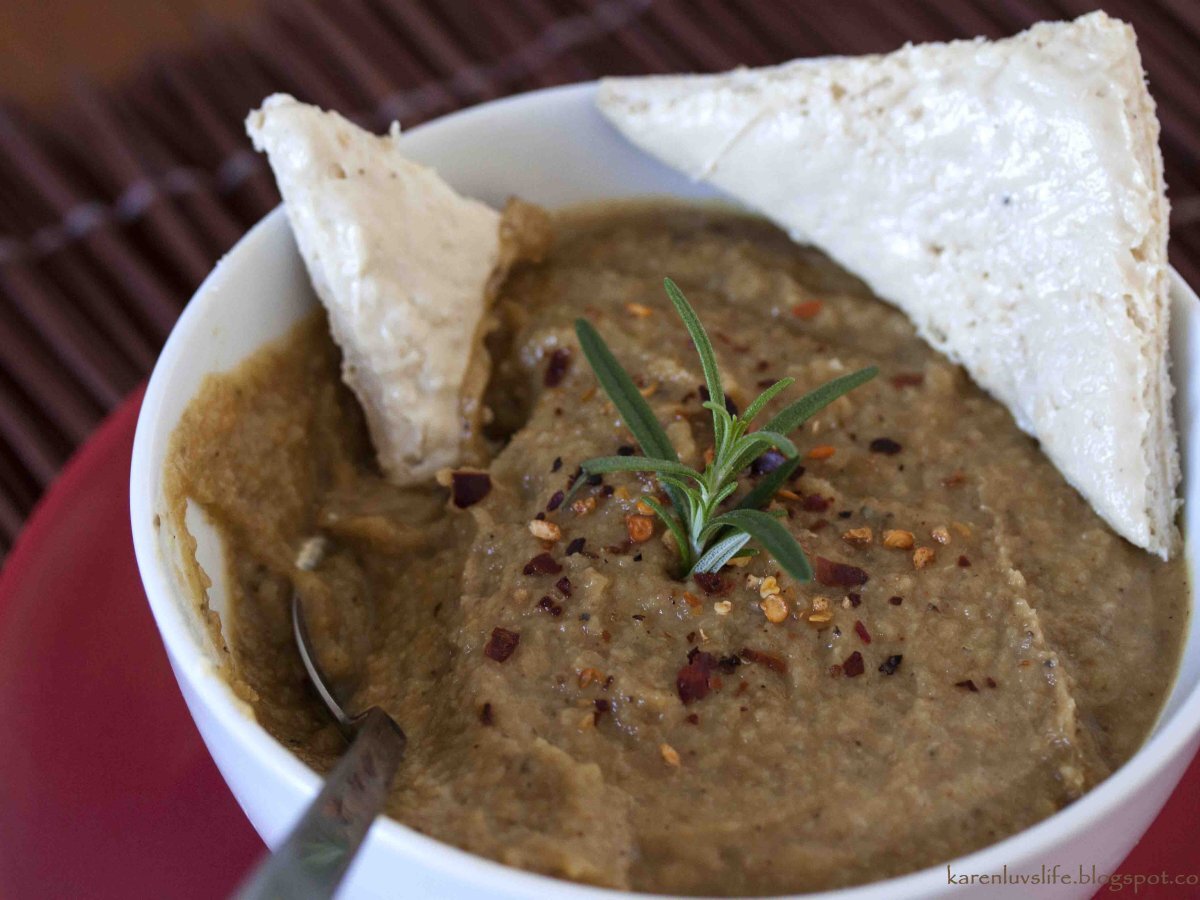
column 855, row 600
column 546, row 604
column 692, row 682
column 501, row 644
column 908, row 379
column 964, row 563
column 576, row 546
column 542, row 564
column 556, row 500
column 836, row 574
column 835, row 671
column 602, row 706
column 955, row 479
column 816, row 503
column 728, row 664
column 486, row 716
column 819, row 525
column 891, row 664
column 564, row 586
column 861, row 630
column 556, row 368
column 772, row 662
column 852, row 665
column 809, row 309
column 712, row 584
column 896, row 600
column 886, row 446
column 468, row 488
column 991, row 682
column 967, row 685
column 692, row 719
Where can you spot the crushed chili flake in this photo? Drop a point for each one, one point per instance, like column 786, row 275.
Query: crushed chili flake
column 556, row 500
column 601, row 707
column 772, row 662
column 727, row 664
column 468, row 488
column 991, row 682
column 576, row 546
column 964, row 563
column 691, row 599
column 895, row 600
column 886, row 446
column 640, row 528
column 967, row 685
column 908, row 379
column 891, row 664
column 692, row 719
column 852, row 665
column 712, row 584
column 501, row 644
column 556, row 368
column 955, row 479
column 546, row 604
column 557, row 464
column 855, row 600
column 564, row 586
column 809, row 309
column 836, row 574
column 835, row 671
column 861, row 630
column 816, row 503
column 822, row 451
column 692, row 683
column 486, row 716
column 767, row 462
column 542, row 564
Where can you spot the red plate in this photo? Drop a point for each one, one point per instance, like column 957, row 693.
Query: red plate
column 106, row 789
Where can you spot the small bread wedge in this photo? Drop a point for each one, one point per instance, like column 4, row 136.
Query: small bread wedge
column 1007, row 195
column 402, row 264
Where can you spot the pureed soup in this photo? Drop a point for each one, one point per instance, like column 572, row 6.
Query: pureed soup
column 976, row 650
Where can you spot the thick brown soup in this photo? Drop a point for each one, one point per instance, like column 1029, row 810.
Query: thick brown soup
column 978, row 648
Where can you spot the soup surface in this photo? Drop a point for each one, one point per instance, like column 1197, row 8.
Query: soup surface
column 977, row 650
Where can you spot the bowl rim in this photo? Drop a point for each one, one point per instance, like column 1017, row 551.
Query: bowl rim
column 1168, row 738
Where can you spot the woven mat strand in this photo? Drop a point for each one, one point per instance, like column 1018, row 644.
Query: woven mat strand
column 115, row 206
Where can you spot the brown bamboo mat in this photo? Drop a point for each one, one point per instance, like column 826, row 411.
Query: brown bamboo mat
column 114, row 206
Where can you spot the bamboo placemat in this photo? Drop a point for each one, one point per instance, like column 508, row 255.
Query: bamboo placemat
column 114, row 206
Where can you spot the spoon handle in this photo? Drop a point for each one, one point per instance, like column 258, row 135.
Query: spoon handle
column 315, row 856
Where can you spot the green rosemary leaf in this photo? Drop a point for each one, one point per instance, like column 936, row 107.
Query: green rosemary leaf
column 721, row 552
column 768, row 485
column 766, row 397
column 708, row 359
column 635, row 411
column 751, row 447
column 796, row 414
column 773, row 537
column 672, row 522
column 602, row 464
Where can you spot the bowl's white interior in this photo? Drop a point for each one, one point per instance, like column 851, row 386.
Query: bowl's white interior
column 493, row 152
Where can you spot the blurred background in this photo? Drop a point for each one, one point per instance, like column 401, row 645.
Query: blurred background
column 124, row 172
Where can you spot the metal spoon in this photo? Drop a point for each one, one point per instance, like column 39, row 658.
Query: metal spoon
column 316, row 855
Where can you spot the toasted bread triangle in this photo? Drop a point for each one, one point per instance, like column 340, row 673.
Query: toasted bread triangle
column 1007, row 195
column 401, row 263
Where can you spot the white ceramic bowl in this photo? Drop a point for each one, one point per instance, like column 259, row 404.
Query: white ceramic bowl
column 551, row 147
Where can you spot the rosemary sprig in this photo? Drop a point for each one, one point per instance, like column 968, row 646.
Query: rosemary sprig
column 708, row 538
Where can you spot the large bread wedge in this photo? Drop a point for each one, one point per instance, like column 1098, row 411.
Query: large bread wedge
column 1007, row 195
